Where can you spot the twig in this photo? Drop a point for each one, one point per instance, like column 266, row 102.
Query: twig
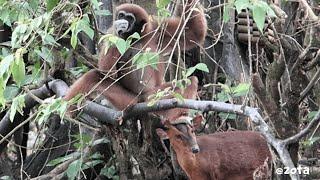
column 7, row 136
column 305, row 131
column 313, row 81
column 310, row 13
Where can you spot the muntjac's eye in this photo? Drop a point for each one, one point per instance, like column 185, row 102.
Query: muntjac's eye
column 179, row 136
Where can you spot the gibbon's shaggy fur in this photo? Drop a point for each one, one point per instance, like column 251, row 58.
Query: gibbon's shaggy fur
column 135, row 85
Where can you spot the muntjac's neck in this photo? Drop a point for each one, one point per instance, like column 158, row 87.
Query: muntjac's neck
column 180, row 149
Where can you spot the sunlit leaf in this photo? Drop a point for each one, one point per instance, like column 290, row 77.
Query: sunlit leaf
column 18, row 67
column 162, row 3
column 241, row 89
column 226, row 13
column 60, row 160
column 109, row 172
column 10, row 92
column 259, row 15
column 121, row 45
column 311, row 115
column 74, row 168
column 228, row 115
column 51, row 4
column 241, row 4
column 17, row 105
column 2, row 88
column 91, row 164
column 103, row 12
column 5, row 64
column 45, row 54
column 199, row 66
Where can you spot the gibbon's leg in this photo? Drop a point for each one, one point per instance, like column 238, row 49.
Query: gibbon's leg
column 84, row 84
column 117, row 95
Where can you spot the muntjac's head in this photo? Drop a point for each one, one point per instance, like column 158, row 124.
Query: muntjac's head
column 181, row 133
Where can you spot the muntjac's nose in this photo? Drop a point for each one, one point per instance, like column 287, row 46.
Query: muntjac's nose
column 195, row 149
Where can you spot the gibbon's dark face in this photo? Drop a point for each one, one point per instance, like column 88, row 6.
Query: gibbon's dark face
column 125, row 24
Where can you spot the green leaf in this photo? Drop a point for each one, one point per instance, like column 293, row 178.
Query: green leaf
column 259, row 15
column 60, row 160
column 199, row 66
column 10, row 92
column 241, row 4
column 101, row 141
column 47, row 39
column 226, row 13
column 83, row 140
column 223, row 97
column 18, row 71
column 145, row 59
column 84, row 26
column 5, row 64
column 2, row 87
column 74, row 40
column 241, row 90
column 131, row 38
column 91, row 164
column 74, row 168
column 5, row 16
column 190, row 71
column 51, row 4
column 227, row 116
column 102, row 12
column 134, row 36
column 202, row 67
column 5, row 178
column 95, row 4
column 162, row 3
column 17, row 105
column 34, row 4
column 45, row 110
column 121, row 45
column 108, row 171
column 81, row 25
column 310, row 141
column 36, row 23
column 45, row 54
column 311, row 115
column 178, row 96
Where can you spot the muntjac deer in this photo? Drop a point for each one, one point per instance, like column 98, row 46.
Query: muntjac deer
column 219, row 156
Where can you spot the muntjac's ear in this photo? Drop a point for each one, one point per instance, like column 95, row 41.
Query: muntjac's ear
column 161, row 133
column 197, row 121
column 167, row 123
column 163, row 126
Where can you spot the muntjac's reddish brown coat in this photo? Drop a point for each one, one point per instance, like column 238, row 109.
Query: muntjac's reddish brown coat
column 223, row 156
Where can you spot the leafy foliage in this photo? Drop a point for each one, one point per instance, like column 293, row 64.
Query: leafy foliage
column 162, row 10
column 121, row 44
column 259, row 8
column 181, row 84
column 228, row 93
column 37, row 28
column 55, row 106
